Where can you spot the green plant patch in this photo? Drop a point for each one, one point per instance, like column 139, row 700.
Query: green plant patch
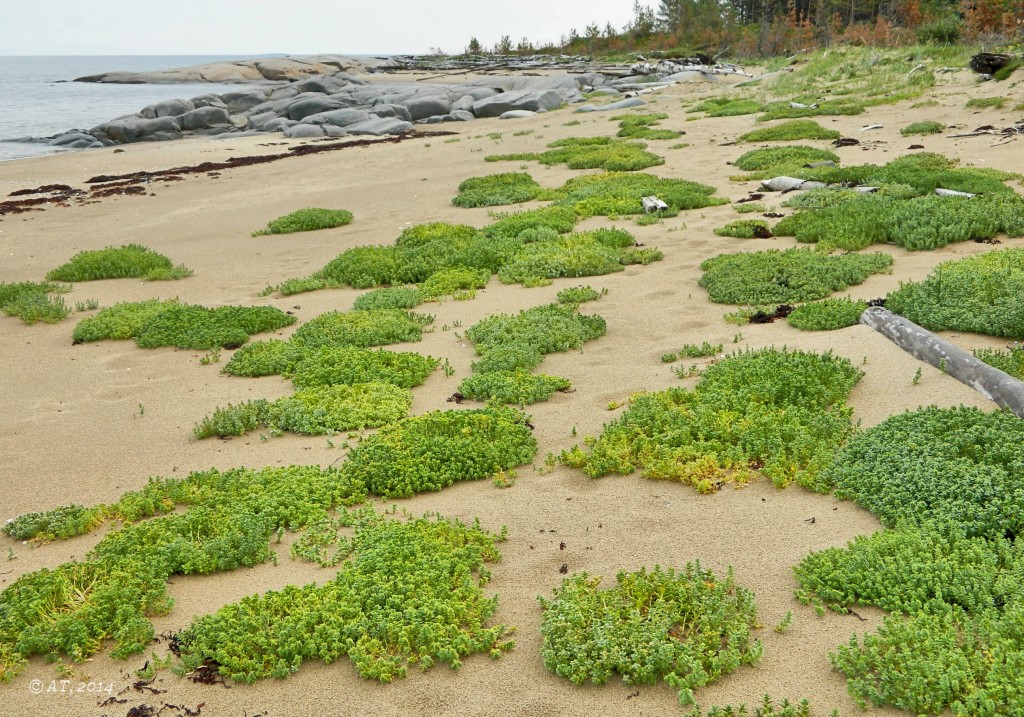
column 788, row 276
column 779, row 412
column 31, row 301
column 333, row 365
column 789, row 132
column 304, row 220
column 827, row 314
column 495, row 189
column 981, row 294
column 923, row 127
column 578, row 295
column 1011, row 361
column 460, row 282
column 785, row 110
column 592, row 253
column 411, row 594
column 230, row 516
column 155, row 323
column 390, row 297
column 768, row 707
column 315, row 411
column 618, row 193
column 749, row 208
column 782, row 160
column 131, row 260
column 986, row 102
column 512, row 225
column 702, row 350
column 263, row 358
column 545, row 329
column 745, row 229
column 639, row 126
column 512, row 387
column 608, row 153
column 362, row 328
column 432, row 451
column 727, row 107
column 963, row 470
column 686, row 628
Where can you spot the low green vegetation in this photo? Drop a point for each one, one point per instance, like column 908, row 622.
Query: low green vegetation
column 768, row 707
column 390, row 297
column 788, row 276
column 745, row 229
column 771, row 161
column 350, row 365
column 749, row 208
column 915, row 175
column 304, row 220
column 685, row 628
column 512, row 387
column 431, row 451
column 923, row 127
column 608, row 153
column 315, row 411
column 495, row 189
column 578, row 295
column 702, row 350
column 154, row 323
column 361, row 328
column 789, row 132
column 619, row 193
column 986, row 102
column 979, row 294
column 459, row 282
column 1011, row 360
column 827, row 314
column 639, row 126
column 789, row 110
column 131, row 260
column 727, row 107
column 32, row 301
column 591, row 253
column 779, row 412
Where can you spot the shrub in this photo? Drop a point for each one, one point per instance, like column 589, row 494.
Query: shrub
column 945, row 30
column 131, row 260
column 31, row 301
column 494, row 189
column 790, row 131
column 606, row 153
column 745, row 229
column 361, row 328
column 617, row 193
column 827, row 314
column 304, row 220
column 981, row 294
column 779, row 412
column 518, row 387
column 577, row 295
column 432, row 451
column 776, row 159
column 923, row 127
column 685, row 628
column 702, row 351
column 390, row 297
column 792, row 275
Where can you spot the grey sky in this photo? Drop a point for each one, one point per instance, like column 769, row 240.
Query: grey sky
column 199, row 27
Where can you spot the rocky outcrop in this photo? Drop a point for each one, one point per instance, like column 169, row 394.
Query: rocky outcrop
column 277, row 69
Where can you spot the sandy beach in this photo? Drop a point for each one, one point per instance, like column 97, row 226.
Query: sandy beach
column 86, row 423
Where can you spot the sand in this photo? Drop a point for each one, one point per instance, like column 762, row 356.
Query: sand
column 86, row 423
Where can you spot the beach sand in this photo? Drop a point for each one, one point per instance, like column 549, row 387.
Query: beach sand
column 85, row 423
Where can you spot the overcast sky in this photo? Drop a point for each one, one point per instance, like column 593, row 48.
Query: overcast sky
column 215, row 27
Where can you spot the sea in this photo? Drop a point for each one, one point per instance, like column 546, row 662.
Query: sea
column 38, row 98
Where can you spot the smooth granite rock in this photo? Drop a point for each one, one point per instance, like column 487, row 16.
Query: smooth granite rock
column 429, row 106
column 306, row 106
column 167, row 108
column 135, row 129
column 238, row 102
column 304, row 131
column 380, row 125
column 462, row 116
column 497, row 105
column 204, row 117
column 339, row 118
column 517, row 114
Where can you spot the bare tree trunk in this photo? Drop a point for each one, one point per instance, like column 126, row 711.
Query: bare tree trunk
column 992, row 383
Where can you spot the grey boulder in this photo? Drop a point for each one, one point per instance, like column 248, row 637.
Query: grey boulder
column 497, row 105
column 339, row 118
column 238, row 102
column 135, row 129
column 380, row 125
column 306, row 106
column 427, row 106
column 392, row 111
column 517, row 114
column 204, row 118
column 167, row 108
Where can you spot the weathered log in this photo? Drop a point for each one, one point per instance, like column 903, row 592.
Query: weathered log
column 922, row 344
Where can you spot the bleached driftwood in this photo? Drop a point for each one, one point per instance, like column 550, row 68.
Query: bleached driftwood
column 652, row 204
column 922, row 344
column 951, row 193
column 787, row 184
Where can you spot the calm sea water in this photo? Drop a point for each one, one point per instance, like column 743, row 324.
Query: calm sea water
column 37, row 98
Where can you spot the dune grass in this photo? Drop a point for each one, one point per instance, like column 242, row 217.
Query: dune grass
column 129, row 261
column 305, row 220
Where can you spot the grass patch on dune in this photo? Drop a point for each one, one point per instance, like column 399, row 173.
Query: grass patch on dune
column 745, row 229
column 496, row 189
column 790, row 131
column 608, row 153
column 1010, row 361
column 827, row 314
column 619, row 193
column 727, row 107
column 592, row 253
column 639, row 126
column 923, row 127
column 390, row 297
column 986, row 102
column 781, row 160
column 305, row 220
column 129, row 261
column 32, row 301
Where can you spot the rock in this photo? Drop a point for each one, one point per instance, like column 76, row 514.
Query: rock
column 208, row 101
column 304, row 131
column 258, row 121
column 462, row 116
column 135, row 129
column 783, row 184
column 380, row 125
column 238, row 121
column 464, row 103
column 332, row 131
column 75, row 139
column 279, row 123
column 238, row 102
column 167, row 108
column 306, row 106
column 517, row 114
column 610, row 91
column 692, row 76
column 620, row 105
column 497, row 105
column 392, row 111
column 338, row 118
column 429, row 106
column 204, row 117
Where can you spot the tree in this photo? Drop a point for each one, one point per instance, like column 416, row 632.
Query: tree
column 474, row 47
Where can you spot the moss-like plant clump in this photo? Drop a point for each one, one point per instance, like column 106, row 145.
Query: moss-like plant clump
column 434, row 450
column 638, row 126
column 361, row 328
column 304, row 220
column 745, row 229
column 986, row 102
column 390, row 297
column 578, row 295
column 617, row 193
column 727, row 107
column 517, row 387
column 782, row 160
column 779, row 412
column 592, row 253
column 789, row 110
column 495, row 189
column 512, row 225
column 827, row 314
column 981, row 294
column 131, row 260
column 789, row 132
column 1011, row 361
column 613, row 155
column 460, row 282
column 332, row 365
column 155, row 323
column 31, row 301
column 923, row 127
column 686, row 628
column 792, row 275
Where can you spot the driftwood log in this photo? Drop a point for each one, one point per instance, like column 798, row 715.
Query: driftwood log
column 922, row 344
